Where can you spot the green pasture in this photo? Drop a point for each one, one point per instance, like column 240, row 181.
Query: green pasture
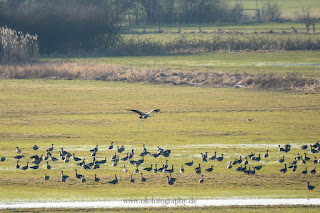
column 302, row 63
column 77, row 115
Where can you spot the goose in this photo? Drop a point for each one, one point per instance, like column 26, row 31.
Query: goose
column 78, row 175
column 294, row 168
column 83, row 180
column 18, row 157
column 266, row 154
column 140, row 161
column 247, row 172
column 304, row 147
column 258, row 158
column 2, row 159
column 46, row 177
column 240, row 160
column 305, row 157
column 220, row 158
column 198, row 167
column 18, row 150
column 113, row 156
column 258, row 167
column 136, row 170
column 93, row 154
column 50, row 149
column 36, row 157
column 115, row 181
column 155, row 155
column 103, row 161
column 75, row 158
column 229, row 165
column 172, row 178
column 143, row 179
column 209, row 169
column 96, row 179
column 35, row 147
column 114, row 164
column 170, row 182
column 251, row 155
column 281, row 160
column 214, row 156
column 131, row 180
column 309, row 187
column 95, row 149
column 25, row 167
column 64, row 177
column 253, row 172
column 125, row 170
column 298, row 156
column 144, row 115
column 166, row 165
column 54, row 159
column 148, row 169
column 303, row 162
column 246, row 161
column 17, row 165
column 305, row 171
column 201, row 180
column 95, row 165
column 48, row 166
column 203, row 158
column 181, row 169
column 111, row 146
column 313, row 150
column 170, row 170
column 284, row 170
column 166, row 153
column 131, row 154
column 280, row 148
column 85, row 166
column 315, row 161
column 125, row 158
column 155, row 170
column 313, row 171
column 189, row 163
column 238, row 169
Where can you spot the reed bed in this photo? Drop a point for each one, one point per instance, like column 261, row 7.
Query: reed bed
column 16, row 47
column 108, row 72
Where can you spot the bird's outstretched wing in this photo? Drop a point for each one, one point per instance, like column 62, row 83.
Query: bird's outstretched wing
column 137, row 111
column 154, row 110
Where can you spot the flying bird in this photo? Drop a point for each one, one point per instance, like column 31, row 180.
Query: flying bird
column 143, row 115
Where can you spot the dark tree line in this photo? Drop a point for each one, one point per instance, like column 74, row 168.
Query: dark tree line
column 81, row 25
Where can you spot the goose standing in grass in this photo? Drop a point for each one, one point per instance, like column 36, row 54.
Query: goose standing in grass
column 220, row 158
column 189, row 163
column 17, row 165
column 111, row 146
column 125, row 158
column 258, row 158
column 83, row 179
column 78, row 175
column 181, row 169
column 309, row 187
column 35, row 147
column 25, row 167
column 18, row 157
column 266, row 154
column 18, row 151
column 75, row 158
column 155, row 170
column 131, row 180
column 303, row 147
column 63, row 177
column 313, row 171
column 315, row 161
column 229, row 165
column 170, row 181
column 258, row 167
column 209, row 169
column 46, row 177
column 305, row 157
column 148, row 169
column 284, row 170
column 95, row 149
column 96, row 179
column 143, row 179
column 214, row 156
column 115, row 181
column 305, row 171
column 125, row 170
column 50, row 149
column 201, row 179
column 246, row 161
column 136, row 170
column 281, row 160
column 48, row 166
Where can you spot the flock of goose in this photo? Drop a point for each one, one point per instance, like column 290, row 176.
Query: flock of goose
column 239, row 164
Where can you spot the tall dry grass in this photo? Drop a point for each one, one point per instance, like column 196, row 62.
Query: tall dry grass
column 16, row 47
column 107, row 72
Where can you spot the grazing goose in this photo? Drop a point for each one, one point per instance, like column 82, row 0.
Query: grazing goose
column 35, row 147
column 315, row 161
column 46, row 177
column 172, row 179
column 48, row 166
column 294, row 168
column 96, row 179
column 25, row 167
column 18, row 157
column 78, row 175
column 189, row 163
column 75, row 158
column 102, row 161
column 229, row 165
column 281, row 160
column 136, row 170
column 17, row 165
column 304, row 147
column 155, row 155
column 258, row 167
column 111, row 146
column 266, row 154
column 83, row 180
column 312, row 150
column 54, row 159
column 284, row 170
column 181, row 169
column 148, row 169
column 125, row 170
column 18, row 151
column 305, row 171
column 131, row 180
column 313, row 171
column 309, row 187
column 201, row 180
column 115, row 181
column 209, row 169
column 143, row 179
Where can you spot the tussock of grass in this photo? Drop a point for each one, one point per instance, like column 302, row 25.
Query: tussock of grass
column 108, row 72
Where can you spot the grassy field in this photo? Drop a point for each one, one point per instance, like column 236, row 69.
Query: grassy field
column 303, row 63
column 77, row 115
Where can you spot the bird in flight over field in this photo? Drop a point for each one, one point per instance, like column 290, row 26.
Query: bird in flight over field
column 143, row 115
